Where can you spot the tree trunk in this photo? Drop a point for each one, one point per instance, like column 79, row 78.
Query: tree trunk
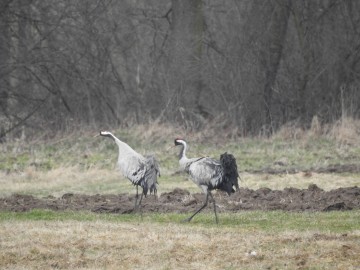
column 4, row 60
column 302, row 24
column 275, row 41
column 186, row 48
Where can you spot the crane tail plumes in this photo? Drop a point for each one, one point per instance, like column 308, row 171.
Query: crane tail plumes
column 231, row 175
column 150, row 184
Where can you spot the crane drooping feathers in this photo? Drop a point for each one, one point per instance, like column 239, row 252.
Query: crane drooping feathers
column 209, row 174
column 140, row 170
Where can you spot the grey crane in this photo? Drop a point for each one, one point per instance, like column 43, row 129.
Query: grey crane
column 140, row 170
column 209, row 174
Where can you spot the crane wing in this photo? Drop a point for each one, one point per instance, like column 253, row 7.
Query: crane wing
column 142, row 171
column 151, row 174
column 206, row 171
column 133, row 168
column 153, row 163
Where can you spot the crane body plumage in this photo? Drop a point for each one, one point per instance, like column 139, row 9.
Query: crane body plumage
column 140, row 170
column 209, row 174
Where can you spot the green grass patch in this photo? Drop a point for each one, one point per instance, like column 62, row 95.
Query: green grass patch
column 86, row 152
column 267, row 221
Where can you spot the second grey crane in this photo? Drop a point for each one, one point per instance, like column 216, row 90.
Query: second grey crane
column 140, row 170
column 209, row 174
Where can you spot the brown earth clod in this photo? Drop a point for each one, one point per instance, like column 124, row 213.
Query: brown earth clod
column 181, row 201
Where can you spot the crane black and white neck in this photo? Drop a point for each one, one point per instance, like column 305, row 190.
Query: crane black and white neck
column 209, row 174
column 140, row 170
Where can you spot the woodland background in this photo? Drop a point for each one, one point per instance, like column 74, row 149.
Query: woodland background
column 250, row 65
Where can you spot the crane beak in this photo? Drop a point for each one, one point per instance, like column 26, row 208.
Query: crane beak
column 97, row 135
column 168, row 149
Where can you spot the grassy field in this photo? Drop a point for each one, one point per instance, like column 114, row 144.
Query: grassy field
column 249, row 240
column 80, row 163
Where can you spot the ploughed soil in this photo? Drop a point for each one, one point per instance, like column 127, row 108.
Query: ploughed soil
column 181, row 201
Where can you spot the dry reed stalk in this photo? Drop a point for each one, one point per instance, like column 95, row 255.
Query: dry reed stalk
column 100, row 244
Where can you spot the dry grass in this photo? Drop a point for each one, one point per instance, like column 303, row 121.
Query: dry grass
column 299, row 180
column 57, row 182
column 104, row 244
column 111, row 245
column 345, row 130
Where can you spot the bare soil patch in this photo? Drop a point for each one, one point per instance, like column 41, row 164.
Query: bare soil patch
column 181, row 201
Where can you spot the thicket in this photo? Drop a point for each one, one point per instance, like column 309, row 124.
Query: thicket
column 249, row 67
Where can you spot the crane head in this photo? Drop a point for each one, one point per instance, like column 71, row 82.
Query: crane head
column 105, row 134
column 179, row 141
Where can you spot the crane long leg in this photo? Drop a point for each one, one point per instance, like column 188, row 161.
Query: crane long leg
column 201, row 208
column 137, row 206
column 216, row 218
column 136, row 197
column 141, row 196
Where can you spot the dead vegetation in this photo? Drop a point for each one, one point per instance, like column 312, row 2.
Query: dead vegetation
column 103, row 244
column 345, row 130
column 109, row 245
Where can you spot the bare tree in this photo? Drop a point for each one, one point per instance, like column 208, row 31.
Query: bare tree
column 274, row 42
column 246, row 65
column 4, row 62
column 186, row 56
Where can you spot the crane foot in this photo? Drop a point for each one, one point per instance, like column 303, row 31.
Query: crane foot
column 186, row 220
